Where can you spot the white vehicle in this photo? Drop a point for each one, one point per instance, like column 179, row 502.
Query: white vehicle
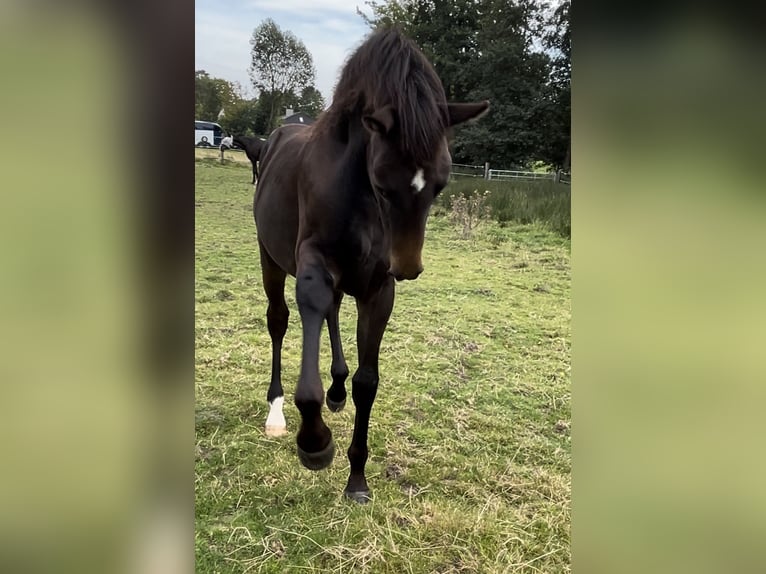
column 207, row 134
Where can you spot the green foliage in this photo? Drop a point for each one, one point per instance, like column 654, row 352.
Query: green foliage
column 557, row 146
column 543, row 201
column 269, row 104
column 243, row 118
column 211, row 95
column 507, row 52
column 310, row 101
column 280, row 66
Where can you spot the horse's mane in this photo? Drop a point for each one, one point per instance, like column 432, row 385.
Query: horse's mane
column 388, row 69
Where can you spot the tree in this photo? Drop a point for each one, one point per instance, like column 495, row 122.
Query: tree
column 496, row 50
column 244, row 118
column 280, row 65
column 512, row 74
column 206, row 101
column 211, row 95
column 310, row 101
column 559, row 41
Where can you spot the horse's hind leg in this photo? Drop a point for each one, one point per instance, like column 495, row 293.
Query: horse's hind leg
column 276, row 317
column 336, row 394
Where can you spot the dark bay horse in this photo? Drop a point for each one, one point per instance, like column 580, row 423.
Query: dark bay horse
column 342, row 206
column 253, row 150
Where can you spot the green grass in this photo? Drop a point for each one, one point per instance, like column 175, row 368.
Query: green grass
column 470, row 452
column 231, row 156
column 536, row 201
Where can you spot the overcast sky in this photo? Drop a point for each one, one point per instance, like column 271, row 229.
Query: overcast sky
column 330, row 29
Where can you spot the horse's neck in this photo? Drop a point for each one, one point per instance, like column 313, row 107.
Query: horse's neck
column 355, row 163
column 369, row 210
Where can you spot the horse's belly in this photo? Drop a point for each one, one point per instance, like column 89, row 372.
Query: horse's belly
column 276, row 221
column 276, row 197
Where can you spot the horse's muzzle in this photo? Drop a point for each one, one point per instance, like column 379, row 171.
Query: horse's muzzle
column 400, row 275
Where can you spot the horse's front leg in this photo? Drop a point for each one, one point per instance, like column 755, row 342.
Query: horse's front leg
column 314, row 295
column 371, row 323
column 336, row 394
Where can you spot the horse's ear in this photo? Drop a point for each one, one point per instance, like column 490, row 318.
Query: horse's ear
column 381, row 121
column 460, row 113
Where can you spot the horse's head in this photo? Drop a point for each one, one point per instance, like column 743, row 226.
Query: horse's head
column 408, row 186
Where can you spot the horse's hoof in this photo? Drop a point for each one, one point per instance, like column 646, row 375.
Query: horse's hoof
column 360, row 496
column 333, row 406
column 317, row 460
column 276, row 430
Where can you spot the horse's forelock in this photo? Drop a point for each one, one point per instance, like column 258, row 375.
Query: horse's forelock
column 388, row 69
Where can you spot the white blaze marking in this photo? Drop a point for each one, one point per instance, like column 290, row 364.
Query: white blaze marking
column 276, row 418
column 418, row 182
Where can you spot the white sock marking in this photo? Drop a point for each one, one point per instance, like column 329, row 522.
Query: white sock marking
column 276, row 418
column 418, row 181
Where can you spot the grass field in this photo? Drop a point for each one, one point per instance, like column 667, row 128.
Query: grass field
column 470, row 452
column 231, row 156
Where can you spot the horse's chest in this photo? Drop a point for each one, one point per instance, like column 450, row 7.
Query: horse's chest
column 363, row 281
column 364, row 264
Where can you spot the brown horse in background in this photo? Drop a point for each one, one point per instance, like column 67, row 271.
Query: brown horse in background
column 342, row 206
column 253, row 150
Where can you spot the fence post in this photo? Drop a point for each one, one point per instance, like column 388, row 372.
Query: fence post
column 557, row 176
column 486, row 170
column 221, row 148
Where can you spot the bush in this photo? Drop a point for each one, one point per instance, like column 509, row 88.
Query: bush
column 469, row 210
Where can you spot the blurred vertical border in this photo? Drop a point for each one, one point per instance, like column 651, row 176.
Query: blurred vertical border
column 96, row 295
column 669, row 315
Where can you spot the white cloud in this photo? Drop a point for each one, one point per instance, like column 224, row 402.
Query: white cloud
column 338, row 25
